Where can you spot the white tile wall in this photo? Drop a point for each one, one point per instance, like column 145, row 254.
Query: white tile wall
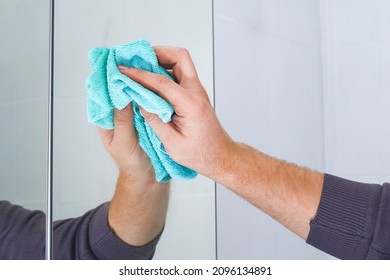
column 312, row 80
column 269, row 95
column 356, row 44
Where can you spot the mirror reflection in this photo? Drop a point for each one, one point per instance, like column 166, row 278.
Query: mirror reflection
column 23, row 125
column 95, row 167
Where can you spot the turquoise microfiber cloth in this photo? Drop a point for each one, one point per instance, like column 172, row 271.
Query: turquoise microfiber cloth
column 108, row 88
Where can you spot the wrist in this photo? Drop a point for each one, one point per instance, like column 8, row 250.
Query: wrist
column 222, row 163
column 137, row 179
column 138, row 171
column 138, row 209
column 239, row 165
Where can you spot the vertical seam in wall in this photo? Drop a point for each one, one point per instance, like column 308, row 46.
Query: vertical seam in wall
column 214, row 104
column 324, row 61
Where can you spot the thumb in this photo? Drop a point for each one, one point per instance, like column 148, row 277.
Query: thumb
column 164, row 131
column 124, row 124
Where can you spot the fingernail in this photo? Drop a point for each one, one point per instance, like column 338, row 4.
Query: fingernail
column 121, row 67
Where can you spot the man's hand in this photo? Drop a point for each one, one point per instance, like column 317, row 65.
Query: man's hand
column 138, row 208
column 194, row 137
column 123, row 146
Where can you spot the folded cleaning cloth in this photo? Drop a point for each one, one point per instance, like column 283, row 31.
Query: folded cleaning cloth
column 108, row 88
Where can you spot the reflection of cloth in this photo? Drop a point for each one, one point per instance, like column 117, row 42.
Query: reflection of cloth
column 22, row 236
column 352, row 220
column 108, row 88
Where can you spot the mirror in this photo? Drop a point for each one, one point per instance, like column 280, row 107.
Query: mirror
column 314, row 87
column 84, row 174
column 24, row 63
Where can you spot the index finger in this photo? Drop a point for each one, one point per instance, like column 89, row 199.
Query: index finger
column 179, row 60
column 161, row 85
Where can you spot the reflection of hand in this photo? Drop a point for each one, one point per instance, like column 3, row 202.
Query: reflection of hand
column 138, row 208
column 194, row 137
column 123, row 146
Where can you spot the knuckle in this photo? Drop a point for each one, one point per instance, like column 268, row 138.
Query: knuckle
column 183, row 53
column 163, row 80
column 150, row 117
column 123, row 117
column 121, row 120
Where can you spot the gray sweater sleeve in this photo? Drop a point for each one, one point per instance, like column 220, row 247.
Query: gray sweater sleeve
column 353, row 220
column 22, row 236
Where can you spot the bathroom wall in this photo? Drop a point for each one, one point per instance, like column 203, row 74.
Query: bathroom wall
column 269, row 95
column 356, row 88
column 306, row 81
column 24, row 27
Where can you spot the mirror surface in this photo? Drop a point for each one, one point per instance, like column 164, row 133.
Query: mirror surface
column 84, row 174
column 23, row 101
column 24, row 26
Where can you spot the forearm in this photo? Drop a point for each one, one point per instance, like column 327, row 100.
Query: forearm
column 286, row 192
column 138, row 209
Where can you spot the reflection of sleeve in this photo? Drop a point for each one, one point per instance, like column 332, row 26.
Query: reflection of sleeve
column 353, row 220
column 90, row 237
column 22, row 233
column 22, row 236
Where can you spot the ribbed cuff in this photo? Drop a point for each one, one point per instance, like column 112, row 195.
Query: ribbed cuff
column 106, row 245
column 345, row 220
